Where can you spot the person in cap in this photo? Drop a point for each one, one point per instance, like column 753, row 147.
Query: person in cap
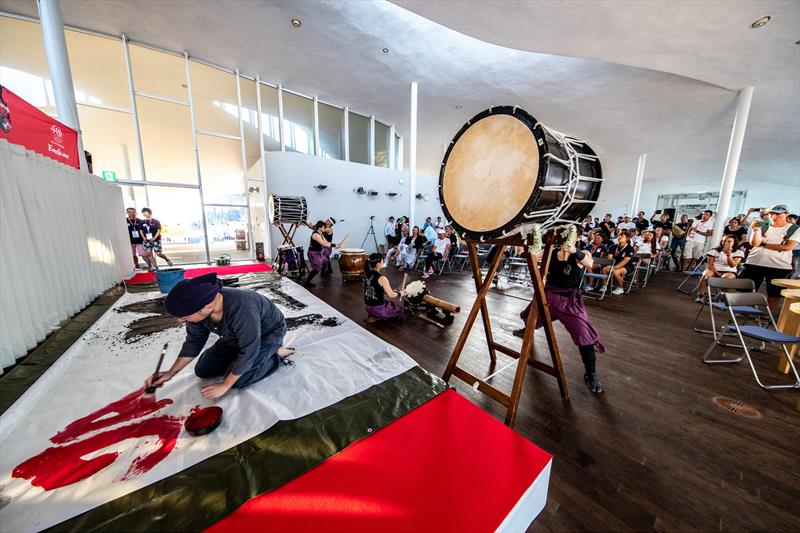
column 771, row 251
column 441, row 247
column 626, row 224
column 250, row 328
column 327, row 234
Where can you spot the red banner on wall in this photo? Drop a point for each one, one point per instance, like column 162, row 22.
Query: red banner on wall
column 22, row 123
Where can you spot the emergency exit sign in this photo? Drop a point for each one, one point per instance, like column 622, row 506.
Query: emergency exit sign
column 109, row 175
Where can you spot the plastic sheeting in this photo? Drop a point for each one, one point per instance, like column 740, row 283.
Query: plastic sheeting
column 62, row 243
column 332, row 363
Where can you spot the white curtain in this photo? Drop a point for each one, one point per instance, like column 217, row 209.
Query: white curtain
column 62, row 243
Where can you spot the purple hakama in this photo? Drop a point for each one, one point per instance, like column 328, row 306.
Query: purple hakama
column 566, row 306
column 317, row 260
column 386, row 311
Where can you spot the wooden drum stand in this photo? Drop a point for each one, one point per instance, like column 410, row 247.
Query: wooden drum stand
column 524, row 356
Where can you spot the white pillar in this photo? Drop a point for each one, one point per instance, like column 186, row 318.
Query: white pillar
column 391, row 147
column 732, row 162
column 346, row 133
column 55, row 48
column 371, row 143
column 317, row 150
column 637, row 187
column 399, row 162
column 265, row 188
column 412, row 158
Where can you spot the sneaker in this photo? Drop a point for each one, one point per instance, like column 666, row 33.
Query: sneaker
column 372, row 319
column 700, row 300
column 617, row 291
column 604, row 288
column 588, row 288
column 518, row 332
column 426, row 275
column 593, row 383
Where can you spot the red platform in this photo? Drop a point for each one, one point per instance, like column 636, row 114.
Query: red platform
column 193, row 272
column 447, row 466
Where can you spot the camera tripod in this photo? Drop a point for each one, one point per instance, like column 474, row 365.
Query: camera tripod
column 371, row 231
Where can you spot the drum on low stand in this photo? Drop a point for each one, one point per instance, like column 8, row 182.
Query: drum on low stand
column 351, row 263
column 504, row 170
column 290, row 261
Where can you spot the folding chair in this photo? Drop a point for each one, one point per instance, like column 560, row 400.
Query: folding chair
column 763, row 334
column 696, row 272
column 643, row 270
column 629, row 280
column 722, row 284
column 605, row 279
column 423, row 253
column 459, row 259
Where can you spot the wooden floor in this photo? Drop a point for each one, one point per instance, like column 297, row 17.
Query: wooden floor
column 654, row 452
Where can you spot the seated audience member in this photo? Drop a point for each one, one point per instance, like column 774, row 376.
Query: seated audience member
column 622, row 254
column 587, row 224
column 394, row 252
column 377, row 290
column 441, row 247
column 428, row 222
column 678, row 240
column 696, row 239
column 770, row 256
column 430, row 233
column 409, row 247
column 607, row 227
column 620, row 219
column 647, row 244
column 661, row 239
column 722, row 263
column 626, row 224
column 636, row 238
column 641, row 221
column 450, row 234
column 738, row 233
column 439, row 223
column 597, row 247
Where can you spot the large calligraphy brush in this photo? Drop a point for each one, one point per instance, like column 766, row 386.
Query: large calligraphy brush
column 149, row 391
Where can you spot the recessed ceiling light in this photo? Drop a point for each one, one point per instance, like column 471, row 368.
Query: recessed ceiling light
column 296, row 23
column 385, row 50
column 760, row 23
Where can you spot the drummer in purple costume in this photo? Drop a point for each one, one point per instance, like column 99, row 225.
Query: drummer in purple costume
column 377, row 290
column 566, row 305
column 327, row 234
column 316, row 258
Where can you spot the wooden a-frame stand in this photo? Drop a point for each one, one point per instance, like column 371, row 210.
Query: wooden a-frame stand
column 288, row 234
column 524, row 356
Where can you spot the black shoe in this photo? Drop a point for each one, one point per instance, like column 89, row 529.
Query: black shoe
column 593, row 383
column 519, row 332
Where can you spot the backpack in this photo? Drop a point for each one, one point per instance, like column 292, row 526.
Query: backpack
column 789, row 232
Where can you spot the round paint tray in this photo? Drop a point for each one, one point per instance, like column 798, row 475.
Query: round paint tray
column 203, row 421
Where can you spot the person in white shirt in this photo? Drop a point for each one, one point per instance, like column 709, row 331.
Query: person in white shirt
column 626, row 224
column 771, row 253
column 439, row 224
column 696, row 239
column 390, row 231
column 722, row 263
column 441, row 247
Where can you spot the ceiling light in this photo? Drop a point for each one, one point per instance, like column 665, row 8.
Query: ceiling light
column 296, row 23
column 760, row 23
column 385, row 50
column 459, row 106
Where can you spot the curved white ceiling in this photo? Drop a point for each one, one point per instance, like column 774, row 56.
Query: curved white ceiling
column 620, row 108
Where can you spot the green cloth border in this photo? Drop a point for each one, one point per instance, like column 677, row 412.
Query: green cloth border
column 210, row 490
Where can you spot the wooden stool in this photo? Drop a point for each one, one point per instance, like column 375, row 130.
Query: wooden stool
column 788, row 322
column 794, row 309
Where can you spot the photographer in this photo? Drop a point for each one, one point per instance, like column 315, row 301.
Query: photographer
column 722, row 263
column 696, row 239
column 771, row 254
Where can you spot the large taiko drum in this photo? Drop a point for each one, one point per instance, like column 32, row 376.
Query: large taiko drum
column 287, row 209
column 352, row 262
column 504, row 170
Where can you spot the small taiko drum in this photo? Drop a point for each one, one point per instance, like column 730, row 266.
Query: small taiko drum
column 287, row 209
column 352, row 262
column 505, row 170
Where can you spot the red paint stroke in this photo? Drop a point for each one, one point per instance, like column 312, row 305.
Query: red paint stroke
column 59, row 466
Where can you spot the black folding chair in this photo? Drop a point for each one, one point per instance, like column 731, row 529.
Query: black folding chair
column 695, row 273
column 759, row 333
column 604, row 279
column 722, row 284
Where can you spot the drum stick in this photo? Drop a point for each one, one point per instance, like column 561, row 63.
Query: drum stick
column 403, row 287
column 344, row 240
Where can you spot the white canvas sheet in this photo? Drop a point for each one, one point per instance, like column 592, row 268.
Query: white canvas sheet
column 331, row 363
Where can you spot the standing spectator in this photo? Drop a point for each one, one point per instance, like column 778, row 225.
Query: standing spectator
column 389, row 233
column 587, row 224
column 792, row 219
column 622, row 254
column 663, row 223
column 722, row 263
column 738, row 233
column 428, row 222
column 596, row 222
column 696, row 239
column 151, row 233
column 771, row 254
column 607, row 227
column 678, row 240
column 641, row 221
column 626, row 224
column 439, row 224
column 441, row 247
column 135, row 235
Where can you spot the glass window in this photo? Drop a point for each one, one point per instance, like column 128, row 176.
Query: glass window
column 167, row 146
column 159, row 73
column 258, row 218
column 227, row 232
column 381, row 145
column 181, row 219
column 358, row 127
column 134, row 196
column 23, row 65
column 270, row 118
column 221, row 170
column 331, row 131
column 214, row 99
column 298, row 123
column 250, row 127
column 98, row 70
column 398, row 156
column 110, row 137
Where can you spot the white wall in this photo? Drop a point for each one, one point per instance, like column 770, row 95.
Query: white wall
column 292, row 174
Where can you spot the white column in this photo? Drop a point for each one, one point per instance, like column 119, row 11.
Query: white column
column 412, row 157
column 732, row 162
column 400, row 154
column 637, row 187
column 391, row 146
column 55, row 48
column 281, row 127
column 265, row 189
column 346, row 133
column 371, row 143
column 317, row 150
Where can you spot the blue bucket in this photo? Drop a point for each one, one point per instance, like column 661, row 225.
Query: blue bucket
column 168, row 278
